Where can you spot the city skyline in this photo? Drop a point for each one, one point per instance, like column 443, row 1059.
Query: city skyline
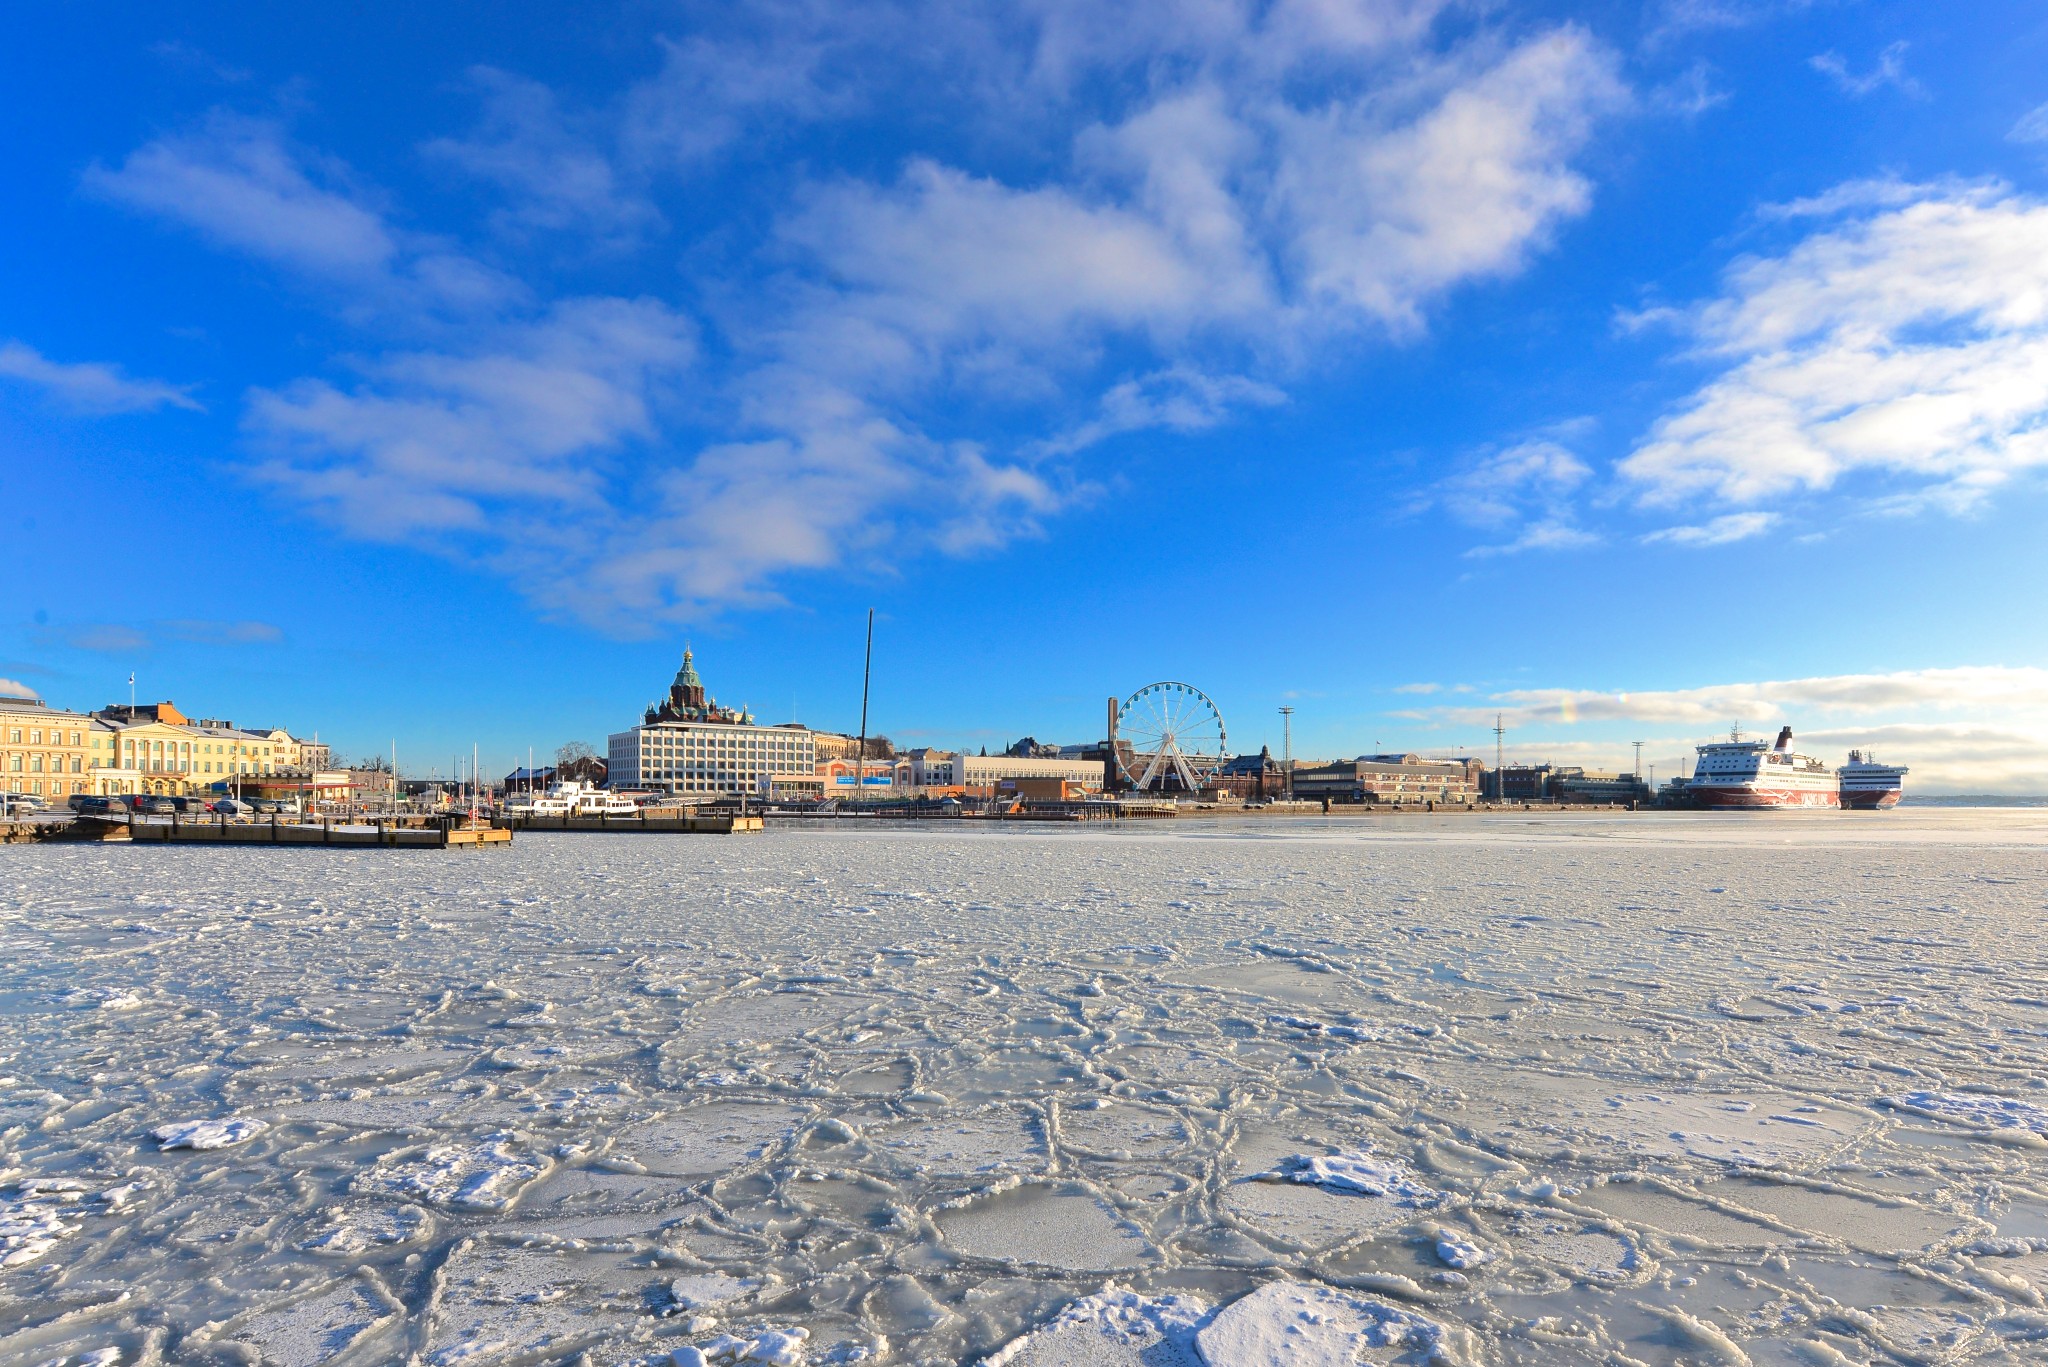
column 1629, row 371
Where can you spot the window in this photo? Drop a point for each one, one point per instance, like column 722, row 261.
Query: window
column 35, row 764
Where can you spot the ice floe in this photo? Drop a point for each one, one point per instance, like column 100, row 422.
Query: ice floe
column 207, row 1134
column 32, row 1219
column 1364, row 1175
column 1113, row 1328
column 1298, row 1324
column 1995, row 1113
column 487, row 1175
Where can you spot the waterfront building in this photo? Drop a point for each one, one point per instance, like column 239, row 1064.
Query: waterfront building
column 687, row 744
column 1577, row 785
column 982, row 773
column 1394, row 779
column 155, row 748
column 44, row 752
column 288, row 751
column 1521, row 782
column 1253, row 776
column 848, row 777
column 926, row 767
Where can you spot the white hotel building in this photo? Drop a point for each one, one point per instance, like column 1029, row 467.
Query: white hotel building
column 688, row 745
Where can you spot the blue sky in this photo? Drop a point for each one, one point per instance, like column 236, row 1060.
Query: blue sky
column 1629, row 369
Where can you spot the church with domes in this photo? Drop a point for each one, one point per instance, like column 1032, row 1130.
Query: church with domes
column 687, row 701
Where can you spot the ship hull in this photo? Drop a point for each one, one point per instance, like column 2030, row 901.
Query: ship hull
column 1744, row 799
column 1876, row 800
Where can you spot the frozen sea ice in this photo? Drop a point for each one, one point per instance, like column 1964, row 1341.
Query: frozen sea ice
column 207, row 1134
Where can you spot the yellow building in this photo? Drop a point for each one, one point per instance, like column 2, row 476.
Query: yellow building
column 43, row 752
column 157, row 749
column 221, row 753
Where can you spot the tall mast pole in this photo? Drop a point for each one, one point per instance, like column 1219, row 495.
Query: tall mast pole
column 866, row 674
column 1500, row 781
column 1287, row 746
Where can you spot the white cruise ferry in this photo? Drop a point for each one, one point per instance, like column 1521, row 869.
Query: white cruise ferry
column 1868, row 785
column 1738, row 773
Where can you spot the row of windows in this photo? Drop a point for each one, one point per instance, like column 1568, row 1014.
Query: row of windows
column 57, row 788
column 35, row 764
column 35, row 737
column 188, row 748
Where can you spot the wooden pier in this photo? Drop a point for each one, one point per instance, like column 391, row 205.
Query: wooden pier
column 641, row 823
column 368, row 832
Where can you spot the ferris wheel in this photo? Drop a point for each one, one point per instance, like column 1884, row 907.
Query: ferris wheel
column 1169, row 730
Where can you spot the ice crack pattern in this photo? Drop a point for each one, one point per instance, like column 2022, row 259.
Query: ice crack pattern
column 1456, row 1091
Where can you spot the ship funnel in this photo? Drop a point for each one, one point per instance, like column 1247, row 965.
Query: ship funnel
column 1784, row 740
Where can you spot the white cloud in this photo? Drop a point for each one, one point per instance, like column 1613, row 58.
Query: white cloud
column 1526, row 489
column 1889, row 71
column 1979, row 759
column 1691, row 94
column 2032, row 127
column 92, row 386
column 1721, row 531
column 555, row 178
column 1904, row 338
column 1545, row 535
column 433, row 441
column 1982, row 689
column 237, row 181
column 709, row 94
column 1500, row 487
column 1178, row 399
column 244, row 185
column 1676, row 18
column 1382, row 219
column 14, row 688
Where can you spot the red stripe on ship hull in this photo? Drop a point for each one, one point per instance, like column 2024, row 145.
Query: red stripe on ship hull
column 1761, row 799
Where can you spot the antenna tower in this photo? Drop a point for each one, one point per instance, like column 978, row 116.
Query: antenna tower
column 1639, row 757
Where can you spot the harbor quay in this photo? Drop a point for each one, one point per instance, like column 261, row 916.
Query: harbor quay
column 689, row 764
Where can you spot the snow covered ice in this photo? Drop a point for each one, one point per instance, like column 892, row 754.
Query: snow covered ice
column 1458, row 1090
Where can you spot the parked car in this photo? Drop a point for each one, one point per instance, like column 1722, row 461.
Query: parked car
column 152, row 806
column 20, row 803
column 91, row 804
column 227, row 806
column 189, row 806
column 262, row 804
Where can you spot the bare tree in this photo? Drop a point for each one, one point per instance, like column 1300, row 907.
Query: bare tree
column 374, row 764
column 571, row 751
